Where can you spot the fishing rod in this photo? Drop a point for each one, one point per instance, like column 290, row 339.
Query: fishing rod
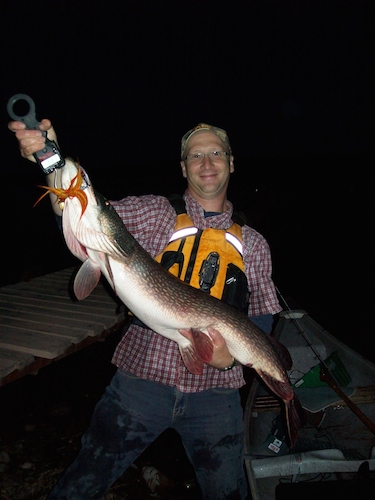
column 301, row 330
column 325, row 373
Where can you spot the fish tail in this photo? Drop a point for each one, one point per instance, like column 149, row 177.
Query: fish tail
column 295, row 418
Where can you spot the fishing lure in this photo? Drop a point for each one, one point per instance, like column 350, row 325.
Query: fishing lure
column 74, row 190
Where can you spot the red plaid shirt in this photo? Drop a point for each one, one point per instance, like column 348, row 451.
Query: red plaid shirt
column 151, row 220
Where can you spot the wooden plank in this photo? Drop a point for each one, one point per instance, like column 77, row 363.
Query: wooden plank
column 56, row 287
column 40, row 363
column 72, row 333
column 98, row 297
column 32, row 342
column 59, row 280
column 266, row 403
column 102, row 299
column 64, row 303
column 58, row 310
column 362, row 395
column 89, row 328
column 40, row 322
column 11, row 361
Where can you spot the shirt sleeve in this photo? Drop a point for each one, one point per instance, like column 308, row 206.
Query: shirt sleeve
column 150, row 219
column 258, row 269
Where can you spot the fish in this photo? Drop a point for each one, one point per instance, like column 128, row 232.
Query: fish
column 97, row 236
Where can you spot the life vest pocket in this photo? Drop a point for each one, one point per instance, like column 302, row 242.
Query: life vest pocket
column 236, row 291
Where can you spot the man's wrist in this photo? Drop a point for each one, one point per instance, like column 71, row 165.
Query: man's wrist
column 232, row 365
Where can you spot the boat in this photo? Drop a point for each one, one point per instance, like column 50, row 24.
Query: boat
column 334, row 455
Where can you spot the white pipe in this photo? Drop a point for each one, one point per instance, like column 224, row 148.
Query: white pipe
column 307, row 462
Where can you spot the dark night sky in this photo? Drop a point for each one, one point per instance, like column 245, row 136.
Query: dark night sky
column 291, row 81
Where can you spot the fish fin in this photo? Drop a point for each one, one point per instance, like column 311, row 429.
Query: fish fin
column 283, row 353
column 283, row 390
column 295, row 419
column 294, row 413
column 192, row 362
column 202, row 343
column 77, row 249
column 86, row 279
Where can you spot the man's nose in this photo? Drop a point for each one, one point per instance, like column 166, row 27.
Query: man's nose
column 207, row 161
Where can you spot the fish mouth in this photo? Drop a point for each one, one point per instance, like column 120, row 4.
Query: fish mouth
column 85, row 180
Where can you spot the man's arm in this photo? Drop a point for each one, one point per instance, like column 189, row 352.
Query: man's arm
column 31, row 141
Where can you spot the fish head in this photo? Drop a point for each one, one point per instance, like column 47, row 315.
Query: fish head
column 80, row 200
column 89, row 220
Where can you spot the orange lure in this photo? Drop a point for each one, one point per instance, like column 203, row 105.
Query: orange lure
column 72, row 191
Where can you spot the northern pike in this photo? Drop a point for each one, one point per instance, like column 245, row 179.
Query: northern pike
column 96, row 235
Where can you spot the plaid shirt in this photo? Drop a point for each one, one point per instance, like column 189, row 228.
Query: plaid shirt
column 151, row 220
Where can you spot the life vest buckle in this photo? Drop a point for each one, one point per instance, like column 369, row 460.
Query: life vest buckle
column 208, row 272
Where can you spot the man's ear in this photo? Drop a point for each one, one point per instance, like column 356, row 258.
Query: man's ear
column 231, row 164
column 183, row 168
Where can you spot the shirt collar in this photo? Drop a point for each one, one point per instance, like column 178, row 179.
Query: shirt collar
column 196, row 213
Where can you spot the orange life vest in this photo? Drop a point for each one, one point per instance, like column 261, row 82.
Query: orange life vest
column 208, row 259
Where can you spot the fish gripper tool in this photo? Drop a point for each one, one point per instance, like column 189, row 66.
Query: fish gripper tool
column 49, row 158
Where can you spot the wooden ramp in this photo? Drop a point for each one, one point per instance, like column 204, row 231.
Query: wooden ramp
column 40, row 322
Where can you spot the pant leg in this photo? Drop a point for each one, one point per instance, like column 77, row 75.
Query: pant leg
column 212, row 430
column 130, row 415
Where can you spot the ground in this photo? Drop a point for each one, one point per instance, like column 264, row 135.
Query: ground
column 43, row 417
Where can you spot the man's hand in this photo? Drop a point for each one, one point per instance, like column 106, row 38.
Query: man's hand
column 221, row 357
column 31, row 141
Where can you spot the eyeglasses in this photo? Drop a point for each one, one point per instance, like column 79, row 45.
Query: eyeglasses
column 199, row 157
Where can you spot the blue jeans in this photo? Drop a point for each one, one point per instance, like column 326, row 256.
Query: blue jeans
column 133, row 412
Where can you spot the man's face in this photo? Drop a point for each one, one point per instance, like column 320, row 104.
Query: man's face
column 207, row 177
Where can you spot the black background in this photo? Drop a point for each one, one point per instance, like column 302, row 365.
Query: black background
column 291, row 81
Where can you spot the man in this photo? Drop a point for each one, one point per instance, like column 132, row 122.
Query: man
column 152, row 389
